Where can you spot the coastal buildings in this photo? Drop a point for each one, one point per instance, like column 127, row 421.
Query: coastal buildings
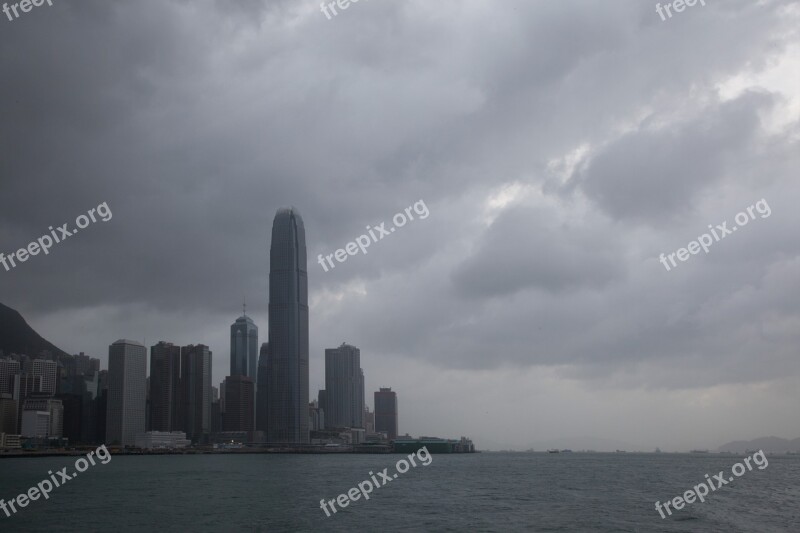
column 165, row 377
column 239, row 391
column 162, row 440
column 344, row 387
column 244, row 348
column 386, row 412
column 287, row 365
column 42, row 417
column 262, row 418
column 8, row 414
column 196, row 391
column 127, row 375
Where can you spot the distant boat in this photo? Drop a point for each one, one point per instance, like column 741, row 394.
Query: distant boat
column 699, row 451
column 750, row 451
column 621, row 451
column 566, row 451
column 553, row 451
column 658, row 450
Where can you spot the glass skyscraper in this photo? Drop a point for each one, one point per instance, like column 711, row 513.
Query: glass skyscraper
column 287, row 365
column 244, row 347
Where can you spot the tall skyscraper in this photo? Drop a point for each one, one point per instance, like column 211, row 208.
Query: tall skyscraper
column 287, row 366
column 127, row 389
column 165, row 377
column 196, row 391
column 238, row 404
column 262, row 418
column 244, row 347
column 386, row 412
column 344, row 387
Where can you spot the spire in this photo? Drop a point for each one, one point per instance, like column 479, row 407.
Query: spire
column 244, row 306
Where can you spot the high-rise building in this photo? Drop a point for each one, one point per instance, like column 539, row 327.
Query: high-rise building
column 238, row 404
column 344, row 387
column 127, row 389
column 262, row 418
column 165, row 377
column 196, row 391
column 287, row 366
column 8, row 414
column 244, row 348
column 8, row 369
column 386, row 412
column 48, row 370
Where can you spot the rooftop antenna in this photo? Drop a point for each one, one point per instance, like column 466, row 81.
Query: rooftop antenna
column 244, row 306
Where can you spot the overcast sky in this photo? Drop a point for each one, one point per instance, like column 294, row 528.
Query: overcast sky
column 560, row 147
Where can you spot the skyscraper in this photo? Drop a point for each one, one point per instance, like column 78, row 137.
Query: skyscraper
column 165, row 376
column 196, row 391
column 386, row 412
column 262, row 418
column 8, row 369
column 47, row 369
column 238, row 404
column 127, row 376
column 344, row 387
column 244, row 347
column 287, row 365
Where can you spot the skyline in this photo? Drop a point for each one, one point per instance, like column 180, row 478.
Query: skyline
column 561, row 149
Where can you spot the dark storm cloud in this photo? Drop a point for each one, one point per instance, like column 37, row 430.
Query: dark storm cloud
column 195, row 121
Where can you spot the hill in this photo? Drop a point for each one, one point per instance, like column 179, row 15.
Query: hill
column 16, row 336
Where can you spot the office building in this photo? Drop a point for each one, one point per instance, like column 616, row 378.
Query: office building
column 344, row 387
column 47, row 370
column 386, row 412
column 165, row 378
column 262, row 419
column 42, row 417
column 244, row 348
column 8, row 369
column 196, row 391
column 9, row 414
column 127, row 389
column 287, row 365
column 238, row 415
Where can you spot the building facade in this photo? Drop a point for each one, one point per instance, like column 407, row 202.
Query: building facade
column 344, row 387
column 196, row 391
column 287, row 365
column 127, row 390
column 386, row 412
column 165, row 378
column 238, row 416
column 244, row 348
